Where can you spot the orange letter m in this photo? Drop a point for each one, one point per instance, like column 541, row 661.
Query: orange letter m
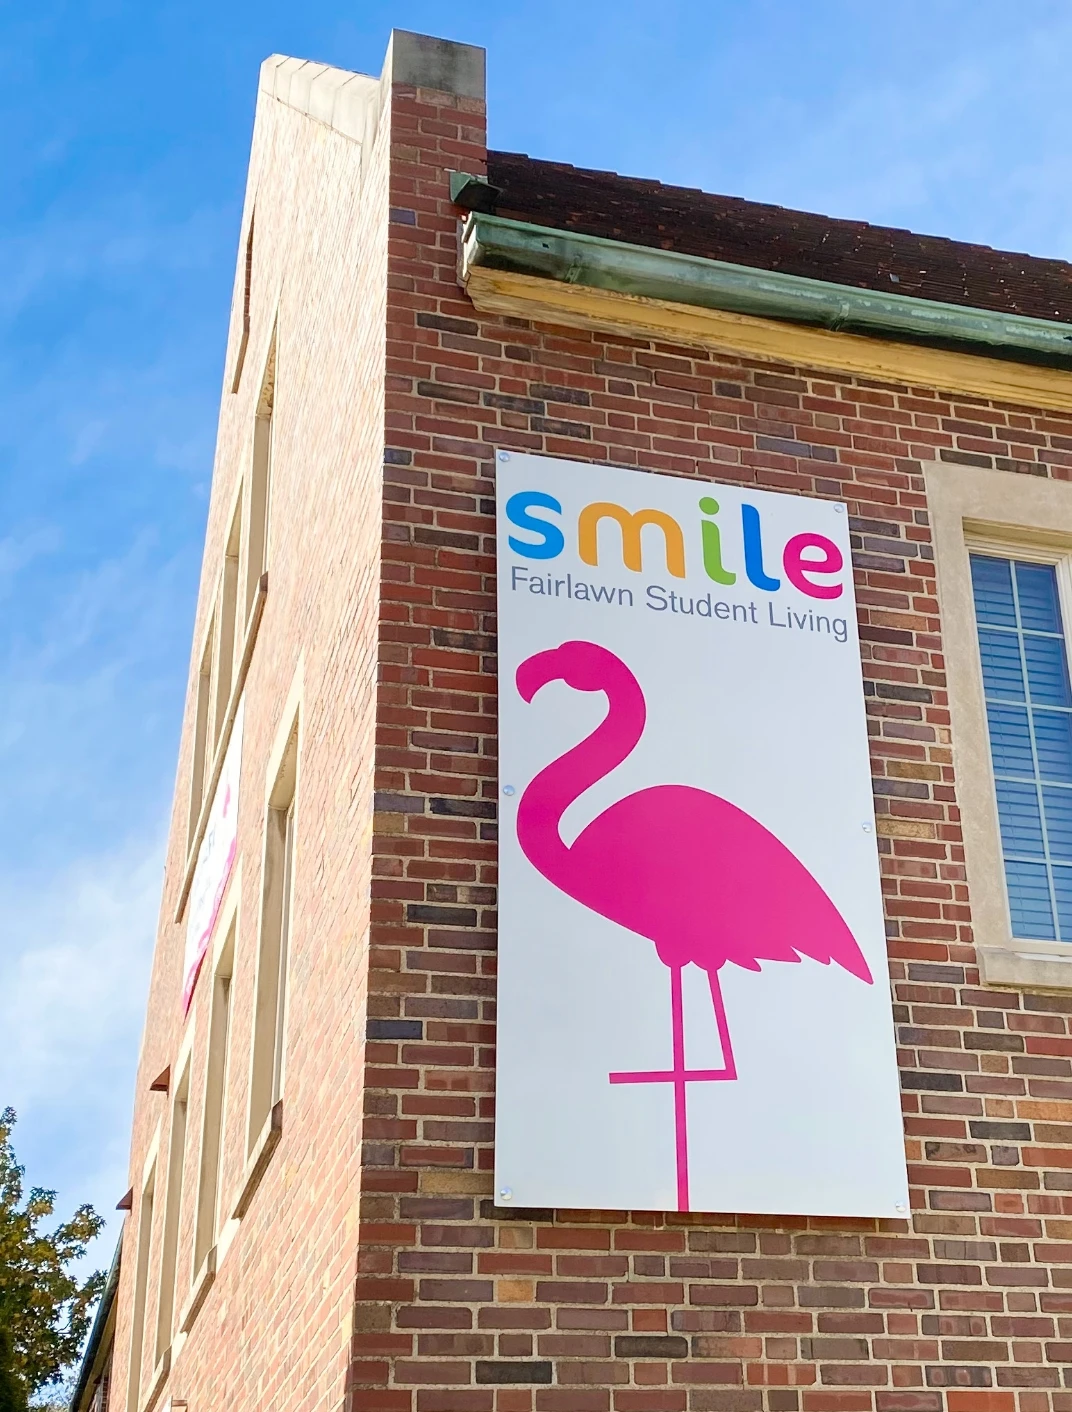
column 630, row 526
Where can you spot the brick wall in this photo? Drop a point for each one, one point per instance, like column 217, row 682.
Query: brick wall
column 381, row 592
column 462, row 1307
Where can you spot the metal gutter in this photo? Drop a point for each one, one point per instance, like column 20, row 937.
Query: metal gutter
column 96, row 1333
column 516, row 246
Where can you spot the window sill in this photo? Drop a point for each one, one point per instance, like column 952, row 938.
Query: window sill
column 160, row 1377
column 1029, row 968
column 201, row 1286
column 255, row 616
column 259, row 1158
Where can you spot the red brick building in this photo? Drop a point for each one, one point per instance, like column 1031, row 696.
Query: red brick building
column 314, row 1225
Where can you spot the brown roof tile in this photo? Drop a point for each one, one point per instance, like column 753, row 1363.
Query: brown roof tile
column 774, row 238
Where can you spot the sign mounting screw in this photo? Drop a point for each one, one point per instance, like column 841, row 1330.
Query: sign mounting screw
column 900, row 1206
column 867, row 827
column 504, row 455
column 508, row 790
column 505, row 1193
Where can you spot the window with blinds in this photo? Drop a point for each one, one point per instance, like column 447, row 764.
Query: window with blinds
column 1029, row 718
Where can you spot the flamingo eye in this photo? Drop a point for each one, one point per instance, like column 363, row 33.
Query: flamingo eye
column 584, row 665
column 582, row 679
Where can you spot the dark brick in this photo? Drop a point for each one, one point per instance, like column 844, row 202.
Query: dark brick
column 552, row 393
column 954, row 1152
column 448, row 392
column 963, row 458
column 651, row 1346
column 436, row 1208
column 463, row 641
column 795, row 448
column 464, row 808
column 446, row 324
column 994, row 1041
column 552, row 427
column 490, row 1212
column 842, row 1349
column 935, row 1082
column 445, row 539
column 504, row 1370
column 888, row 691
column 441, row 916
column 399, row 803
column 506, row 403
column 901, row 789
column 929, row 971
column 394, row 1029
column 1000, row 1132
column 949, row 1274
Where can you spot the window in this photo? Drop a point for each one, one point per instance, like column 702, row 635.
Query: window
column 219, row 1041
column 260, row 482
column 165, row 1316
column 266, row 1080
column 226, row 623
column 202, row 754
column 243, row 339
column 1029, row 720
column 216, row 674
column 101, row 1399
column 1003, row 554
column 141, row 1284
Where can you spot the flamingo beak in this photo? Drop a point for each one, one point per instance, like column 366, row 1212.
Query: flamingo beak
column 537, row 671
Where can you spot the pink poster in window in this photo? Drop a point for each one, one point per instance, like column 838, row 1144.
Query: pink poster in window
column 215, row 862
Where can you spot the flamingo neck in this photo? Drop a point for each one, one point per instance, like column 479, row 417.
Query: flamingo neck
column 556, row 787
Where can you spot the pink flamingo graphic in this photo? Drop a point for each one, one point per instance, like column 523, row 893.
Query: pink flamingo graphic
column 691, row 872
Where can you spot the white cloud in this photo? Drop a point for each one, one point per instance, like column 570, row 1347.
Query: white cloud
column 76, row 691
column 74, row 958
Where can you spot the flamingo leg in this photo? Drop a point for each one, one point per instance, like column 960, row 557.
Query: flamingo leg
column 681, row 1077
column 723, row 1026
column 681, row 1132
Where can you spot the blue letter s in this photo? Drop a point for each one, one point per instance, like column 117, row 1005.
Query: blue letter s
column 517, row 508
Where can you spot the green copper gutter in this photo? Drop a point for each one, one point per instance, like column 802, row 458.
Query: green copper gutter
column 499, row 244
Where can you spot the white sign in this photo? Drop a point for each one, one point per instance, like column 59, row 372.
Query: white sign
column 215, row 861
column 694, row 1007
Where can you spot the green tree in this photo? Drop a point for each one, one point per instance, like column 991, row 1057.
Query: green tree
column 12, row 1392
column 44, row 1309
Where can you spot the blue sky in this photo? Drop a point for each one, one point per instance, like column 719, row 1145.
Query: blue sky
column 126, row 130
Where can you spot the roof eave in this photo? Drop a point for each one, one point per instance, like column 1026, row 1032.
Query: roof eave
column 96, row 1333
column 494, row 242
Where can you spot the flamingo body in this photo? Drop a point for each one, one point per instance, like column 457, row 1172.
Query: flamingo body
column 706, row 883
column 690, row 871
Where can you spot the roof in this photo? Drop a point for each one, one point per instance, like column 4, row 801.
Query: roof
column 750, row 233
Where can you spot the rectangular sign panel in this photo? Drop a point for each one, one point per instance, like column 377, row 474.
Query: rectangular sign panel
column 694, row 1007
column 215, row 861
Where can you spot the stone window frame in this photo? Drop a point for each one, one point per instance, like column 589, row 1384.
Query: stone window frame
column 214, row 1230
column 144, row 1248
column 267, row 1047
column 976, row 509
